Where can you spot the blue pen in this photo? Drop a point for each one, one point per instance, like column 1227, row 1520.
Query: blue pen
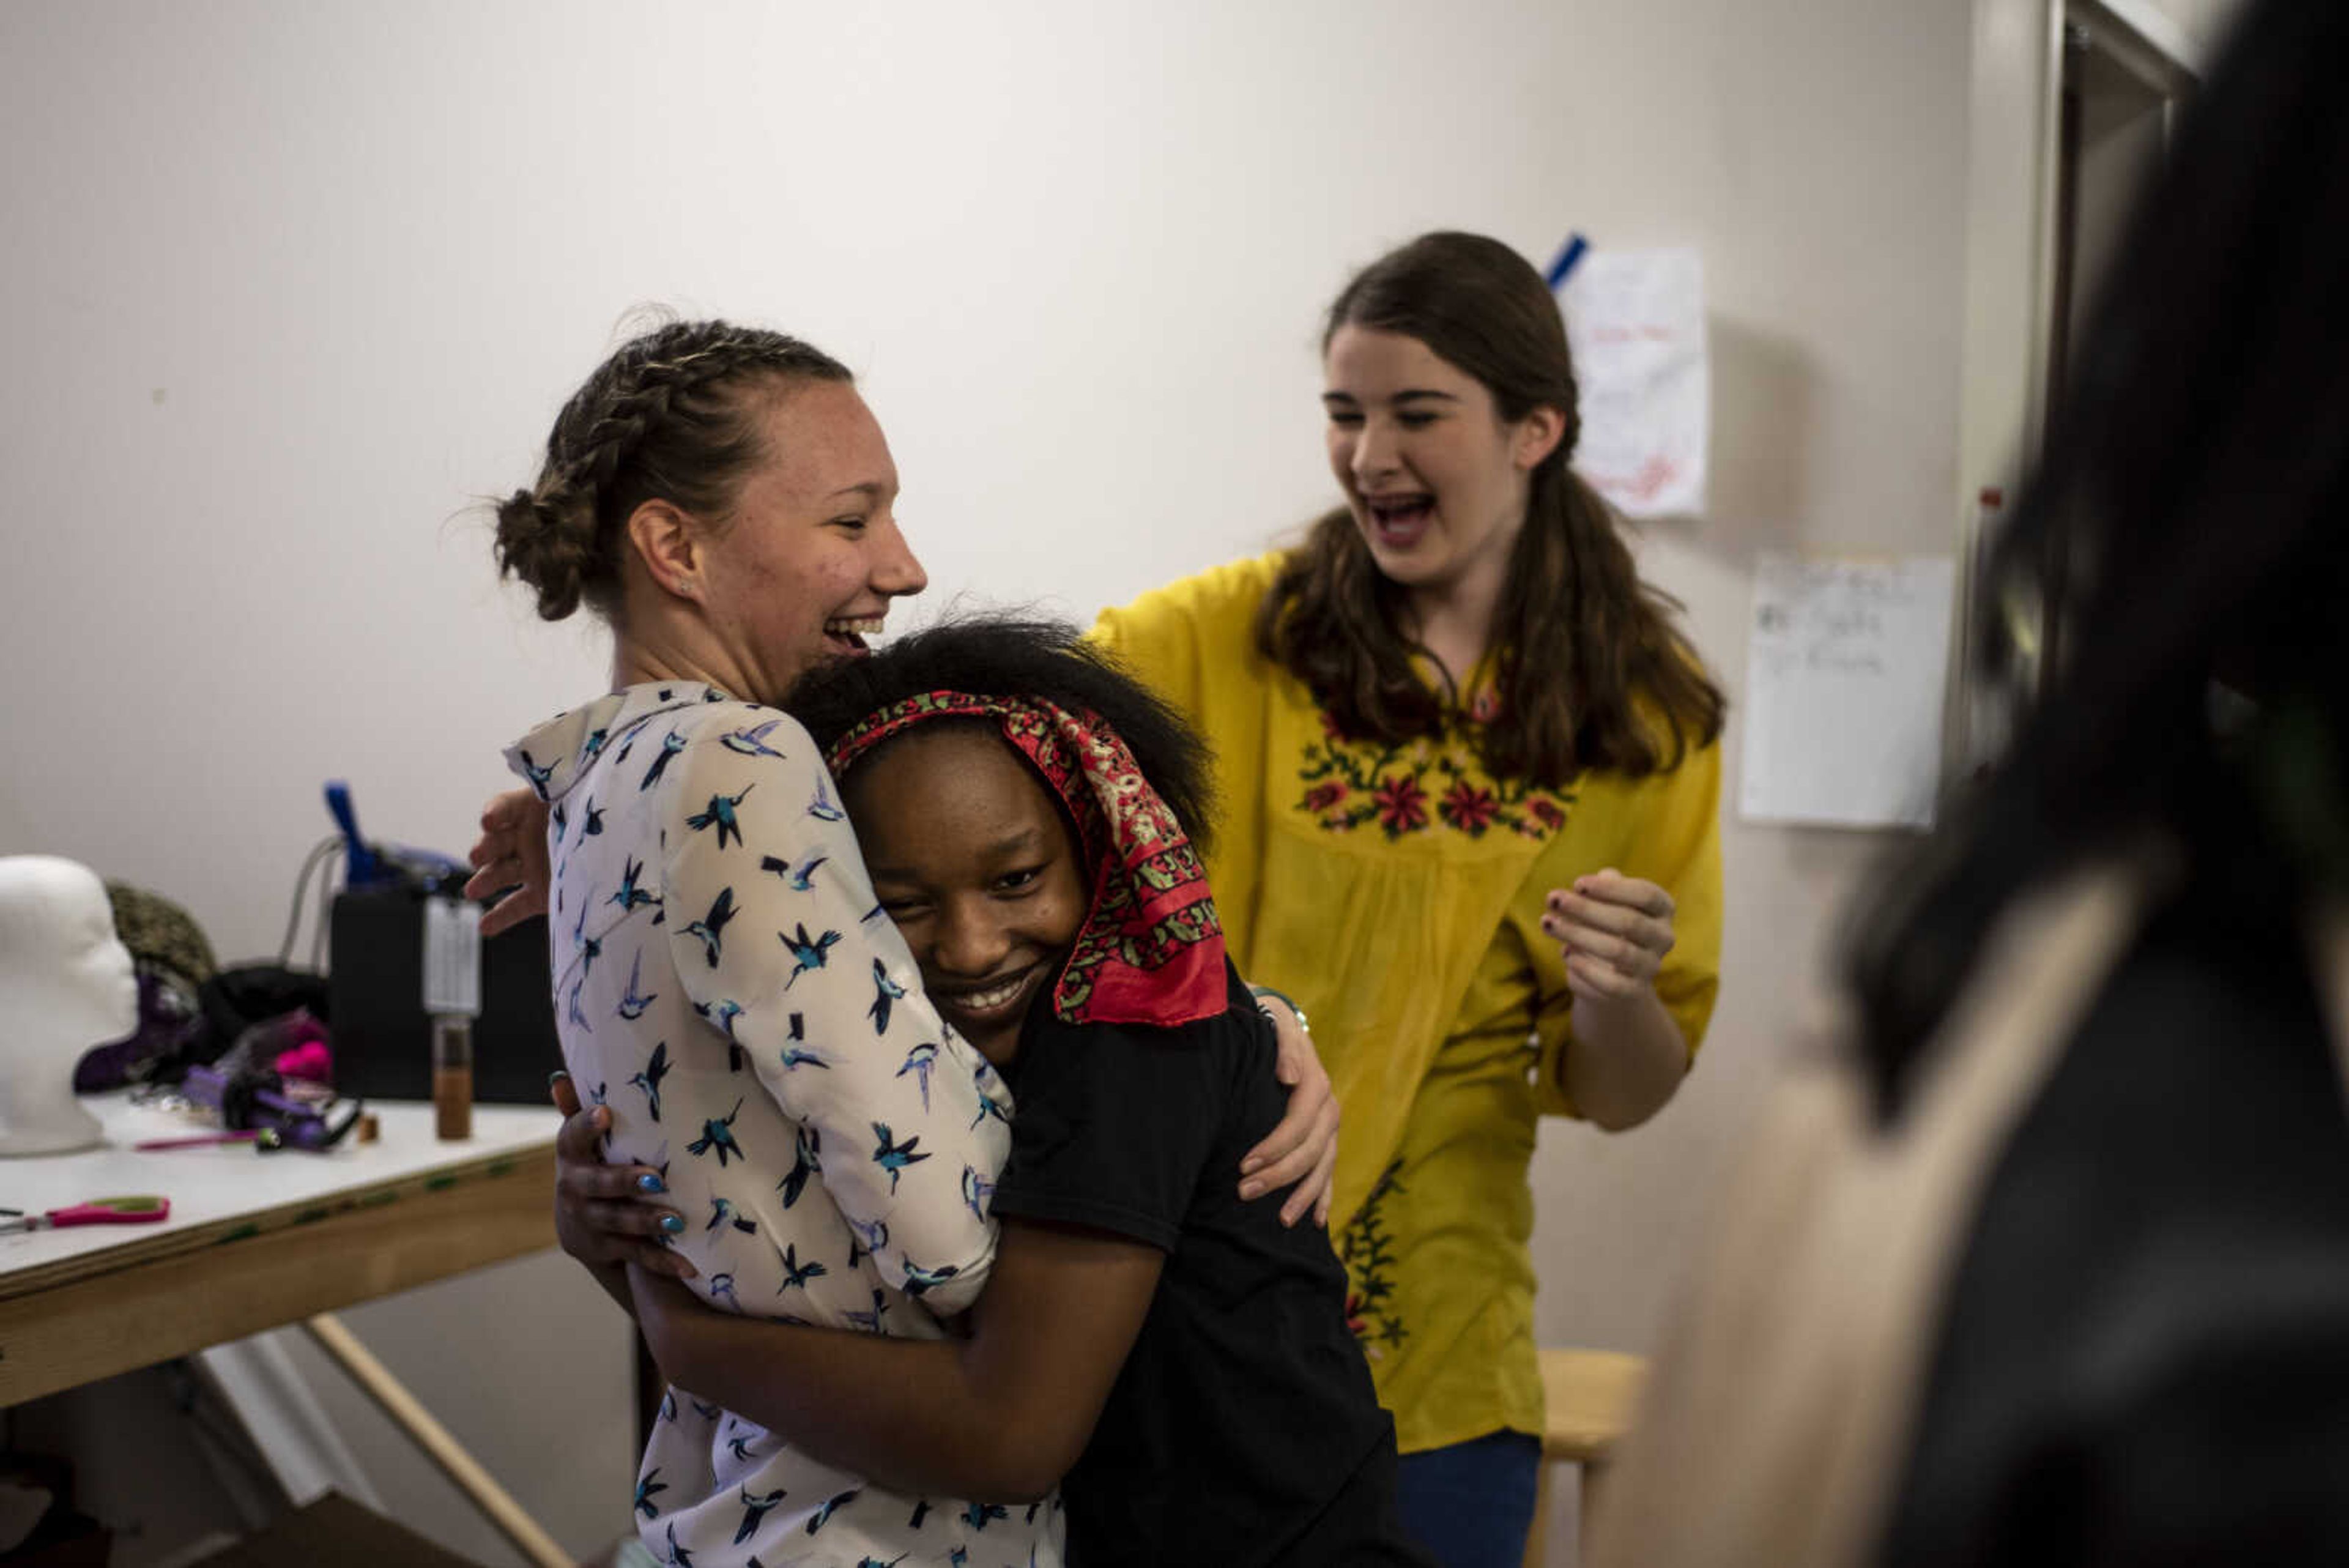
column 1566, row 259
column 363, row 869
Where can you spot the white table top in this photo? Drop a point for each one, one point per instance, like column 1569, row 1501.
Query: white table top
column 227, row 1182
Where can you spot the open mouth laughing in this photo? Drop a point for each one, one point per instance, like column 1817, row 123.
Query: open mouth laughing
column 1400, row 519
column 846, row 635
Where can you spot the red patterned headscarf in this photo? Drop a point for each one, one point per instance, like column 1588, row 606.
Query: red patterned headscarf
column 1151, row 947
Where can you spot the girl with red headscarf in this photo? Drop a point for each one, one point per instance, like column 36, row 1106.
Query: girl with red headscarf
column 1030, row 817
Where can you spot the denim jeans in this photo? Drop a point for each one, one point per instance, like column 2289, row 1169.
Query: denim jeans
column 1471, row 1504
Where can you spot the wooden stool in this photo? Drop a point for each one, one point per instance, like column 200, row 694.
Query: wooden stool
column 1592, row 1394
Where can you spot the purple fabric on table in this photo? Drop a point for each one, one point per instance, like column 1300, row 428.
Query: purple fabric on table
column 166, row 1025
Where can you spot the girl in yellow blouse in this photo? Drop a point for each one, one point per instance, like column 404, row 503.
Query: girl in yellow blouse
column 1470, row 786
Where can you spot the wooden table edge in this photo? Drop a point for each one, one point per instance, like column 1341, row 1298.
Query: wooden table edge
column 173, row 1241
column 261, row 1271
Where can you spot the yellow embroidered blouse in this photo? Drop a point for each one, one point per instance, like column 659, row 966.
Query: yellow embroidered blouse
column 1396, row 893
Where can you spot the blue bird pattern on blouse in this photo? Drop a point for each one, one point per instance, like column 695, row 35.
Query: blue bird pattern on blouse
column 785, row 1073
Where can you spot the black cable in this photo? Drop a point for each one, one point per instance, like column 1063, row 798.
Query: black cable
column 319, row 921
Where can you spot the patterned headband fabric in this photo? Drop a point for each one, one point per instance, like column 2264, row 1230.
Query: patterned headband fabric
column 1152, row 948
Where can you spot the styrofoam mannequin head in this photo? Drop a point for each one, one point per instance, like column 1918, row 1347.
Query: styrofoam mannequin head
column 65, row 984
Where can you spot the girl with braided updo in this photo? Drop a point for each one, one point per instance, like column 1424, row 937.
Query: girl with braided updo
column 752, row 1035
column 661, row 451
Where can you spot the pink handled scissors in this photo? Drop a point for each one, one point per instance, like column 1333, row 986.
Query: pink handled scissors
column 141, row 1210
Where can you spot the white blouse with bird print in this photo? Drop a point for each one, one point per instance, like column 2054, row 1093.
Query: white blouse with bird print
column 726, row 982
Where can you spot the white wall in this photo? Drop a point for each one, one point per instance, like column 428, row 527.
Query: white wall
column 290, row 285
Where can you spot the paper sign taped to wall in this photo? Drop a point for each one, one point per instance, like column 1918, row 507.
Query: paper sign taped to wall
column 1844, row 677
column 1635, row 321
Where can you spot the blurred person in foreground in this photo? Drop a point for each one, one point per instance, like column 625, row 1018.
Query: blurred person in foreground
column 2050, row 1266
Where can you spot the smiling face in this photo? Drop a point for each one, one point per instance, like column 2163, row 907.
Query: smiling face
column 972, row 858
column 1437, row 481
column 805, row 566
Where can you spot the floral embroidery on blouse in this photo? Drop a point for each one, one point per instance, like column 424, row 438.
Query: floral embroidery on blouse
column 1367, row 1250
column 1418, row 785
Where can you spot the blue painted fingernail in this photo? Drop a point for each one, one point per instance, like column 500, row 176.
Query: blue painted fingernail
column 650, row 1182
column 557, row 1077
column 672, row 1223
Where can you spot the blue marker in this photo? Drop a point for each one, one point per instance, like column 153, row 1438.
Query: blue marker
column 361, row 868
column 1566, row 260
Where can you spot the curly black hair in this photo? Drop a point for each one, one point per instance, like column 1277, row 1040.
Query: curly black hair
column 1011, row 656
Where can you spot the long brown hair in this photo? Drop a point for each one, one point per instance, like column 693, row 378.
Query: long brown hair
column 1577, row 639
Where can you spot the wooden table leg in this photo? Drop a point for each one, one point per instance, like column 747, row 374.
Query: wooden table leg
column 1594, row 1472
column 434, row 1440
column 1538, row 1538
column 1590, row 1396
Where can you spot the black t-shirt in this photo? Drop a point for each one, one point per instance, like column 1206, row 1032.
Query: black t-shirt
column 1243, row 1429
